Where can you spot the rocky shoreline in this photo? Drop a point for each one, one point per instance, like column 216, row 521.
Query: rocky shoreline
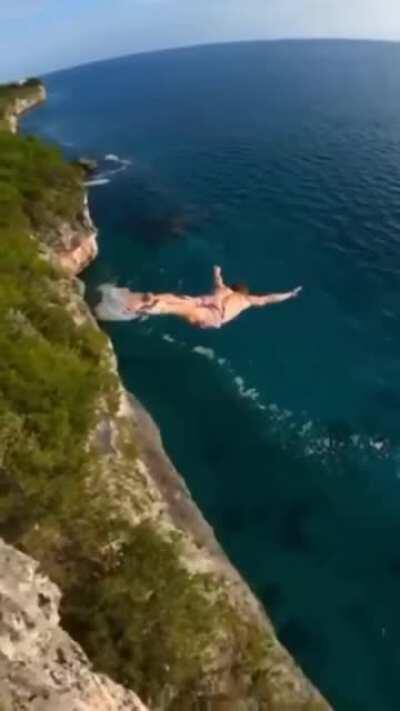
column 243, row 666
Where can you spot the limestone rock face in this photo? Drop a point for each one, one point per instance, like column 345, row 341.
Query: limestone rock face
column 76, row 247
column 41, row 667
column 22, row 105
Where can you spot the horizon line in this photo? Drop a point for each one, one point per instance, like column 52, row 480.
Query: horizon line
column 176, row 48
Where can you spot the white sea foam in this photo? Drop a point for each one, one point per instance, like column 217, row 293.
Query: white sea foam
column 378, row 445
column 206, row 352
column 304, row 429
column 122, row 163
column 104, row 177
column 95, row 182
column 290, row 429
column 244, row 391
column 313, row 440
column 169, row 339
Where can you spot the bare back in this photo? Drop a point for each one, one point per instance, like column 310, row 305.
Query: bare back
column 232, row 304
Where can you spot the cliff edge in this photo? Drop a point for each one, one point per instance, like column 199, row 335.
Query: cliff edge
column 17, row 98
column 87, row 490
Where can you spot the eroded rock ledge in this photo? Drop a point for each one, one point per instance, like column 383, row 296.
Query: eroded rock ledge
column 76, row 247
column 28, row 95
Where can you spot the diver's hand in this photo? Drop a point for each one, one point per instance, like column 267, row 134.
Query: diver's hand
column 296, row 292
column 218, row 281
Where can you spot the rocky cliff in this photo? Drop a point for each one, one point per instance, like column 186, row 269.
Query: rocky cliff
column 16, row 99
column 41, row 667
column 76, row 246
column 90, row 493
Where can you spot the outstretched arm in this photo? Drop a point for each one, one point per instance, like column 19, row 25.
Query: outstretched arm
column 274, row 298
column 218, row 280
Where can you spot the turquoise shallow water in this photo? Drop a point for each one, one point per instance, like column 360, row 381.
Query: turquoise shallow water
column 281, row 162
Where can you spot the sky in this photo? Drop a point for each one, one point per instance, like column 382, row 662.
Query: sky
column 39, row 36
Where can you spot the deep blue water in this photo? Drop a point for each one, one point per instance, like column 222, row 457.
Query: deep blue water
column 281, row 162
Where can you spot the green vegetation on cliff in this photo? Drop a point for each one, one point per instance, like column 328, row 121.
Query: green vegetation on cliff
column 51, row 370
column 38, row 189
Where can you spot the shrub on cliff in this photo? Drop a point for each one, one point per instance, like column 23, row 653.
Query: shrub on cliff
column 50, row 368
column 51, row 371
column 145, row 621
column 37, row 182
column 50, row 377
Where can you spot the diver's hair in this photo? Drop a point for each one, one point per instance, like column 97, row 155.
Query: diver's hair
column 241, row 288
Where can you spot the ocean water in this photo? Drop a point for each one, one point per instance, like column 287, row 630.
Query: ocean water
column 281, row 162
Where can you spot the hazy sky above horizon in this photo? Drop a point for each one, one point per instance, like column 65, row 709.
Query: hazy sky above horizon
column 37, row 36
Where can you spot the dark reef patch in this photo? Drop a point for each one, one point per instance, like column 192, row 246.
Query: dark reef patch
column 293, row 526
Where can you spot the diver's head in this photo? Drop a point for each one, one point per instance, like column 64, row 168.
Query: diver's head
column 240, row 288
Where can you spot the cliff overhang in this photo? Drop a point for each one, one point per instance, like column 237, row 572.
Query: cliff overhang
column 18, row 98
